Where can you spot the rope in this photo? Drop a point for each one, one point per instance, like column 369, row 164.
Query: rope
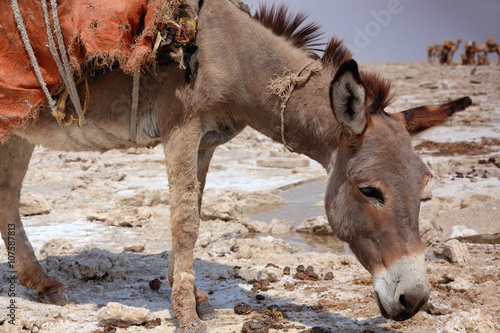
column 284, row 86
column 61, row 59
column 27, row 45
column 135, row 106
column 36, row 68
column 67, row 75
column 65, row 69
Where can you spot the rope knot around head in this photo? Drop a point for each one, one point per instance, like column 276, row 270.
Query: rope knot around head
column 283, row 87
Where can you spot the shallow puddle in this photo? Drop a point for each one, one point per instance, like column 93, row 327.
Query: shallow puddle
column 303, row 201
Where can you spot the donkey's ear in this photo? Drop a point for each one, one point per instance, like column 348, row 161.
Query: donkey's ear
column 347, row 98
column 421, row 118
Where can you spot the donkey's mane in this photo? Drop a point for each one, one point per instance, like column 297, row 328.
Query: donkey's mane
column 282, row 23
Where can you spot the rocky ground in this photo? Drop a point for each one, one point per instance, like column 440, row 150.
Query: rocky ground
column 99, row 223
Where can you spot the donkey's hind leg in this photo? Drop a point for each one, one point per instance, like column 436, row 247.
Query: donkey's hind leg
column 204, row 158
column 15, row 155
column 203, row 307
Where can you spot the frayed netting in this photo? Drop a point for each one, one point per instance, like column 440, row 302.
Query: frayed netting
column 283, row 87
column 94, row 37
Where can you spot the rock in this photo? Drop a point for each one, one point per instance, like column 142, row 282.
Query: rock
column 257, row 202
column 427, row 193
column 481, row 239
column 429, row 210
column 142, row 198
column 32, row 204
column 475, row 199
column 255, row 226
column 429, row 232
column 254, row 327
column 9, row 328
column 273, row 274
column 280, row 226
column 126, row 217
column 212, row 232
column 221, row 210
column 318, row 329
column 246, row 248
column 156, row 197
column 220, row 249
column 242, row 308
column 284, row 163
column 462, row 231
column 261, row 285
column 116, row 313
column 470, row 322
column 56, row 247
column 130, row 198
column 476, row 321
column 456, row 252
column 93, row 264
column 460, row 285
column 481, row 218
column 329, row 276
column 101, row 217
column 137, row 248
column 244, row 252
column 205, row 238
column 153, row 323
column 437, row 308
column 316, row 225
column 348, row 260
column 118, row 177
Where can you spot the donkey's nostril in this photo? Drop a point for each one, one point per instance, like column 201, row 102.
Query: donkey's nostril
column 403, row 301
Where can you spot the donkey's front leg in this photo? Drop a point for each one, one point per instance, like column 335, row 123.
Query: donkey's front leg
column 181, row 151
column 15, row 155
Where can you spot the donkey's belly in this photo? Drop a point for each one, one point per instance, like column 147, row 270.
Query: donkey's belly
column 89, row 135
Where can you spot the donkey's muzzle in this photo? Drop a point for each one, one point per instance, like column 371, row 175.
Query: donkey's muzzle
column 406, row 306
column 402, row 289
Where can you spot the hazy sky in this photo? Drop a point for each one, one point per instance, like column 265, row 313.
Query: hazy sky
column 400, row 30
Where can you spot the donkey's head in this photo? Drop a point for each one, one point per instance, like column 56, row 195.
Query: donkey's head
column 373, row 194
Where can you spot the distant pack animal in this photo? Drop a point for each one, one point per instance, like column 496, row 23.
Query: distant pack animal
column 489, row 46
column 260, row 72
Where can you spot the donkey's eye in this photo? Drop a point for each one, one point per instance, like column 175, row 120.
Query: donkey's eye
column 373, row 194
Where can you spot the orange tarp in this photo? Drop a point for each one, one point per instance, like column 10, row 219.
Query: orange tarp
column 98, row 32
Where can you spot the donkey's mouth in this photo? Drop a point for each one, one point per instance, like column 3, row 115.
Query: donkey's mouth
column 405, row 315
column 381, row 307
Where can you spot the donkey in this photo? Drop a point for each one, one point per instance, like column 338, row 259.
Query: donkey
column 334, row 113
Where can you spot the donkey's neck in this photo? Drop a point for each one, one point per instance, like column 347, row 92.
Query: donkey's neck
column 310, row 127
column 241, row 57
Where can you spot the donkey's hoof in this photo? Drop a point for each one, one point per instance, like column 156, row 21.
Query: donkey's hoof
column 57, row 297
column 194, row 326
column 205, row 311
